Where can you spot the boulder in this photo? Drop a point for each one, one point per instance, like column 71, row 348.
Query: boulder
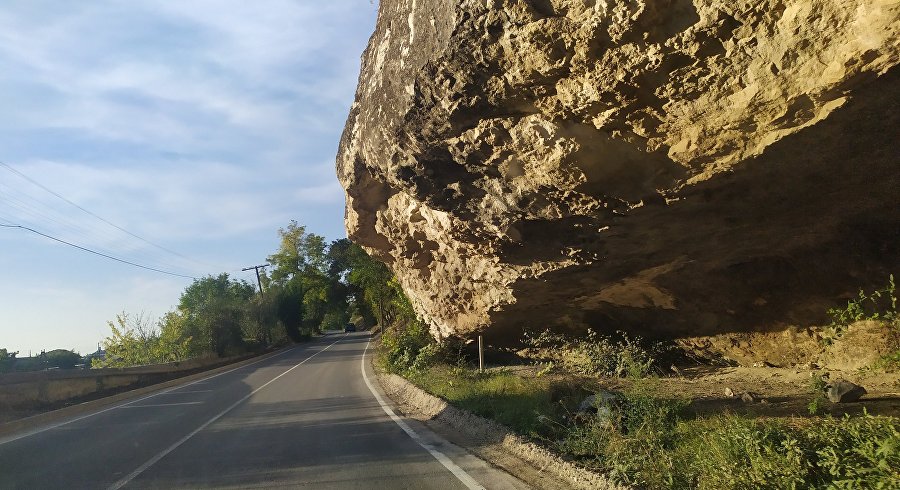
column 670, row 168
column 843, row 391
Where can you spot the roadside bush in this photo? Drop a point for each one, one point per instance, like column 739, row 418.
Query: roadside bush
column 856, row 452
column 407, row 347
column 880, row 304
column 646, row 442
column 631, row 439
column 817, row 386
column 597, row 354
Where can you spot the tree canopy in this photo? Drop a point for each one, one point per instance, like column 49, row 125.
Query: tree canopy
column 311, row 286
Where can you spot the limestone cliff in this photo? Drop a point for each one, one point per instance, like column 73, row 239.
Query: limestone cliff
column 662, row 166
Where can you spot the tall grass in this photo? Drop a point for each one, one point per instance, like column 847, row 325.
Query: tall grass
column 650, row 442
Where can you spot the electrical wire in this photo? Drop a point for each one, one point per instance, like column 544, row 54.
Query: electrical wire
column 34, row 211
column 40, row 209
column 104, row 220
column 101, row 254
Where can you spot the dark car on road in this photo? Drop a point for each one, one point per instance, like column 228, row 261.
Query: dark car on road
column 350, row 328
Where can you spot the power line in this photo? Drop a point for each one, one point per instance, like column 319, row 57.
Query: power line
column 35, row 211
column 101, row 254
column 123, row 230
column 257, row 268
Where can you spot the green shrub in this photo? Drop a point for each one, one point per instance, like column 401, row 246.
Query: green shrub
column 626, row 435
column 596, row 354
column 857, row 452
column 879, row 305
column 403, row 344
column 849, row 452
column 817, row 386
column 652, row 447
column 732, row 452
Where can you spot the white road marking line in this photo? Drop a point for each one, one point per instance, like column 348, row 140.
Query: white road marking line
column 186, row 392
column 442, row 458
column 131, row 476
column 162, row 405
column 163, row 392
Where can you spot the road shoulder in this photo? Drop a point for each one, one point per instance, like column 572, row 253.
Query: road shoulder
column 488, row 440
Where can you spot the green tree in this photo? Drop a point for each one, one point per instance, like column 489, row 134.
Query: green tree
column 214, row 310
column 300, row 275
column 381, row 292
column 7, row 360
column 62, row 358
column 135, row 341
column 261, row 319
column 299, row 254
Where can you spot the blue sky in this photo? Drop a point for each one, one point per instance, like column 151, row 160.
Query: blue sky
column 199, row 126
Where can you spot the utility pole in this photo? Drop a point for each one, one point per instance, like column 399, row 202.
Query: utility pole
column 257, row 268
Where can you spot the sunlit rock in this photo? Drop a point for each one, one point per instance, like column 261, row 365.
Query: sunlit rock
column 661, row 167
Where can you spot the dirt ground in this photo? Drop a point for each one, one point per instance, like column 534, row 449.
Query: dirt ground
column 776, row 392
column 776, row 369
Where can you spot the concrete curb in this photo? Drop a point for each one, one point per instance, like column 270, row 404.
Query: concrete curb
column 419, row 404
column 55, row 416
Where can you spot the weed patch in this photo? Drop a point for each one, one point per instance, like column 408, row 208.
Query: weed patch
column 596, row 354
column 817, row 386
column 879, row 305
column 650, row 442
column 524, row 404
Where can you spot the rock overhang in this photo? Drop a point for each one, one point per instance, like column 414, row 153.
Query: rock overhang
column 663, row 167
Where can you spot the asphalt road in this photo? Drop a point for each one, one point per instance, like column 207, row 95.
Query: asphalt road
column 304, row 418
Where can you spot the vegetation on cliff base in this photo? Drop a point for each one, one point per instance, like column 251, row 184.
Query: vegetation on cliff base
column 880, row 306
column 642, row 438
column 652, row 442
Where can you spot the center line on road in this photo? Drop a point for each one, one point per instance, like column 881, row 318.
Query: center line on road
column 442, row 458
column 124, row 481
column 186, row 392
column 29, row 433
column 162, row 405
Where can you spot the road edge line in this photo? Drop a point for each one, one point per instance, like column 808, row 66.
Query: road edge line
column 442, row 458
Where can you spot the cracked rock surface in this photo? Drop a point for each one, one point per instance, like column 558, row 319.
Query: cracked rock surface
column 663, row 167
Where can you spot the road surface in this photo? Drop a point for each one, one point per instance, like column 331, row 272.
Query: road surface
column 307, row 417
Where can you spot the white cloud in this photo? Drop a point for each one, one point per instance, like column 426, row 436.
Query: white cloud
column 202, row 126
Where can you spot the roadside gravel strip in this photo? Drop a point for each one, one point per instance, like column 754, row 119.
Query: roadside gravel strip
column 489, row 440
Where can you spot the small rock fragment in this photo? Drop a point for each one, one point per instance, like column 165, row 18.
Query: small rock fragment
column 729, row 392
column 749, row 397
column 843, row 391
column 759, row 364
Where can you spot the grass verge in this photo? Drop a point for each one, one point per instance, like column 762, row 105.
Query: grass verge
column 647, row 441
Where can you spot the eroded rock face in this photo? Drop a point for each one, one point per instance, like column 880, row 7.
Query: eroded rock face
column 661, row 167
